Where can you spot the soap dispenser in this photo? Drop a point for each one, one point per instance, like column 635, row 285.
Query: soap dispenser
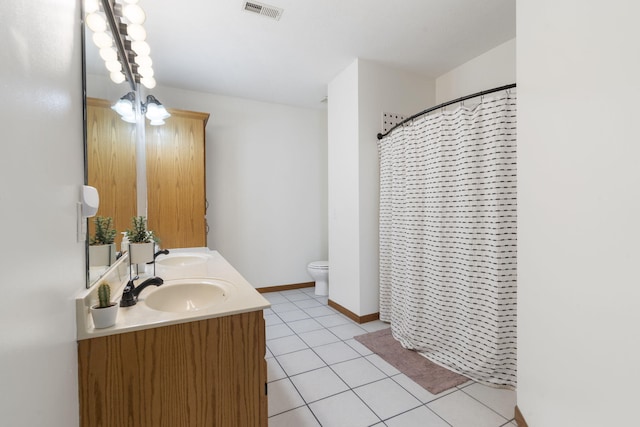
column 124, row 246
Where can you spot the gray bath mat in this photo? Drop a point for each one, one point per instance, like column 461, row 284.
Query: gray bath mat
column 429, row 375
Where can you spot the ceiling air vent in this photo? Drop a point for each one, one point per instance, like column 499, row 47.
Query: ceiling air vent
column 263, row 9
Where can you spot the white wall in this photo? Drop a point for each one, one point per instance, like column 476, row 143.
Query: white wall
column 344, row 206
column 494, row 68
column 266, row 182
column 102, row 87
column 357, row 98
column 41, row 170
column 579, row 210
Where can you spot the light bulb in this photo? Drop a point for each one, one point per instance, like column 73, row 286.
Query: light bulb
column 91, row 6
column 148, row 82
column 143, row 61
column 131, row 118
column 145, row 71
column 157, row 112
column 131, row 1
column 141, row 48
column 136, row 32
column 156, row 122
column 96, row 22
column 134, row 14
column 113, row 66
column 102, row 40
column 124, row 107
column 117, row 77
column 108, row 54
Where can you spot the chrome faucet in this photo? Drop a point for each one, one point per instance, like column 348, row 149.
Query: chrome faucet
column 131, row 291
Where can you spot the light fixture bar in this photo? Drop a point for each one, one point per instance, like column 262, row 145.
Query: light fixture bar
column 117, row 37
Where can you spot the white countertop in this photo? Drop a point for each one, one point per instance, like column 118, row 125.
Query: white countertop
column 242, row 297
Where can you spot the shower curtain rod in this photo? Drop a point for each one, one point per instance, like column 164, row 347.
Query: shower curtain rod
column 445, row 104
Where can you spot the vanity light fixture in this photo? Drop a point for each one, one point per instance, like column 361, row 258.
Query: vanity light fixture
column 125, row 107
column 155, row 111
column 152, row 109
column 120, row 36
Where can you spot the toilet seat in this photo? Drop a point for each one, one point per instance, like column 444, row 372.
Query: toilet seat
column 319, row 265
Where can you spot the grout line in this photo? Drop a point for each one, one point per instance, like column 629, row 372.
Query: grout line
column 412, row 409
column 291, row 409
column 485, row 405
column 425, row 404
column 436, row 397
column 349, row 388
column 307, row 404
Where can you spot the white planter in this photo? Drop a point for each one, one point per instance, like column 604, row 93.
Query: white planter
column 140, row 253
column 100, row 255
column 104, row 317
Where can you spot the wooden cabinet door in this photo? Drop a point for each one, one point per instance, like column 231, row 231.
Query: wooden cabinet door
column 207, row 373
column 111, row 164
column 176, row 179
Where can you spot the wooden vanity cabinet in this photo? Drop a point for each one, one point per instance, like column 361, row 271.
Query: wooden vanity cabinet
column 203, row 373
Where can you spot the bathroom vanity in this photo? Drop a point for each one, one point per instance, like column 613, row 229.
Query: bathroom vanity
column 199, row 364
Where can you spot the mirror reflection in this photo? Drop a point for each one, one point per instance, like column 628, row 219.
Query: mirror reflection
column 144, row 162
column 111, row 168
column 111, row 164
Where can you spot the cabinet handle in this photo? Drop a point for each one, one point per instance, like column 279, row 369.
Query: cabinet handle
column 206, row 205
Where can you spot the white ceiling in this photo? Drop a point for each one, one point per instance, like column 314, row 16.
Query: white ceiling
column 215, row 46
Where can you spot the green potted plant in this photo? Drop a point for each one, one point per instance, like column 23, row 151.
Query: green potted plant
column 141, row 241
column 102, row 250
column 105, row 312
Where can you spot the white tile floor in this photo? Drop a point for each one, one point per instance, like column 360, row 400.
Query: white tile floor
column 320, row 376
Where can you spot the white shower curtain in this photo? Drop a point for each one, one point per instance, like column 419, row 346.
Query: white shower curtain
column 448, row 238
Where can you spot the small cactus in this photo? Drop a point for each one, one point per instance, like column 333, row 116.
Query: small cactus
column 104, row 295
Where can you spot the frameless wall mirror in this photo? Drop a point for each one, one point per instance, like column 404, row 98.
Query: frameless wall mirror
column 114, row 144
column 132, row 149
column 109, row 162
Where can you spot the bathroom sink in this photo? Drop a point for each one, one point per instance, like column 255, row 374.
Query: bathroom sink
column 187, row 295
column 182, row 259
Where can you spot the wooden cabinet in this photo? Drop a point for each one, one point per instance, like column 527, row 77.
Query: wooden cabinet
column 204, row 373
column 175, row 172
column 176, row 193
column 111, row 163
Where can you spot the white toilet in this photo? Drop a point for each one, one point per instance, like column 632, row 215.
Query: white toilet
column 319, row 271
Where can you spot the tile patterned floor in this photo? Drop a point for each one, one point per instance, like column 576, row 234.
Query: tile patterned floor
column 320, row 376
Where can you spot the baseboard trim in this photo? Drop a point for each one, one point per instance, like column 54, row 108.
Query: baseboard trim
column 351, row 315
column 519, row 418
column 286, row 287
